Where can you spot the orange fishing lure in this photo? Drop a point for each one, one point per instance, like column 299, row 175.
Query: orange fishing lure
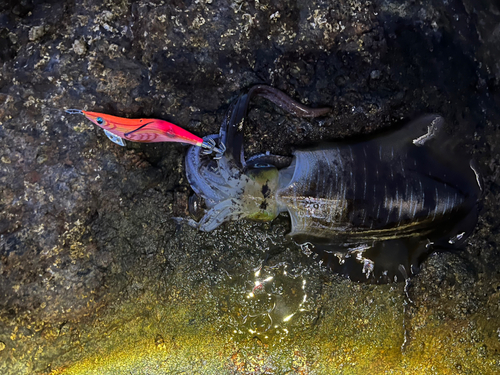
column 140, row 130
column 145, row 130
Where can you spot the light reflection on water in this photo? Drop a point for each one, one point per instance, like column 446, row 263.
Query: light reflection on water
column 271, row 301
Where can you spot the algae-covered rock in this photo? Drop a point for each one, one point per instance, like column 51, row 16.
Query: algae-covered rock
column 96, row 277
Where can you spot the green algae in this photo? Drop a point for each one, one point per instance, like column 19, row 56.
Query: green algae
column 358, row 329
column 193, row 335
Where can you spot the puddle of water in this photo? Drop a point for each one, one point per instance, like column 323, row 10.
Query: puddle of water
column 270, row 301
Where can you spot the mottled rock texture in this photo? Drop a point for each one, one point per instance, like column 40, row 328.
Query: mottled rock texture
column 86, row 226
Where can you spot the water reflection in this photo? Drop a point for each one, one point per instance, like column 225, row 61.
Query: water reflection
column 273, row 300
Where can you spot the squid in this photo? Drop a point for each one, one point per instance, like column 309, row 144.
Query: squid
column 371, row 209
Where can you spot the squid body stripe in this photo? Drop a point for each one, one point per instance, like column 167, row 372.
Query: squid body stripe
column 390, row 210
column 436, row 206
column 353, row 180
column 330, row 187
column 446, row 205
column 343, row 183
column 321, row 174
column 364, row 191
column 353, row 185
column 415, row 209
column 400, row 210
column 422, row 193
column 340, row 159
column 385, row 197
column 411, row 204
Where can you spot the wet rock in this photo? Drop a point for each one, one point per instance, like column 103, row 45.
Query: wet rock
column 36, row 32
column 87, row 240
column 79, row 47
column 375, row 74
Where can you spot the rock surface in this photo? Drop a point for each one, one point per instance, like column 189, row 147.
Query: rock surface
column 96, row 277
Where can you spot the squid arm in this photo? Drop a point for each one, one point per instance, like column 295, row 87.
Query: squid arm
column 231, row 132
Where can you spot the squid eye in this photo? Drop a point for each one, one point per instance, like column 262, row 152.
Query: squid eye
column 100, row 121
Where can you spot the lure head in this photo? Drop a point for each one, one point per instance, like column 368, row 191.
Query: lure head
column 115, row 125
column 97, row 119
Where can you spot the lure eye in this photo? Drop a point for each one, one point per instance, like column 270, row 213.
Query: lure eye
column 100, row 121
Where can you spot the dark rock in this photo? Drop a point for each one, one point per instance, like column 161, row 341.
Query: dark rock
column 86, row 224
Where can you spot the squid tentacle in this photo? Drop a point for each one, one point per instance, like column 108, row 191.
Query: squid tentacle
column 230, row 209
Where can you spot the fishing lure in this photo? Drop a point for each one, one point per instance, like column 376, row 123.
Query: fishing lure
column 146, row 131
column 371, row 209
